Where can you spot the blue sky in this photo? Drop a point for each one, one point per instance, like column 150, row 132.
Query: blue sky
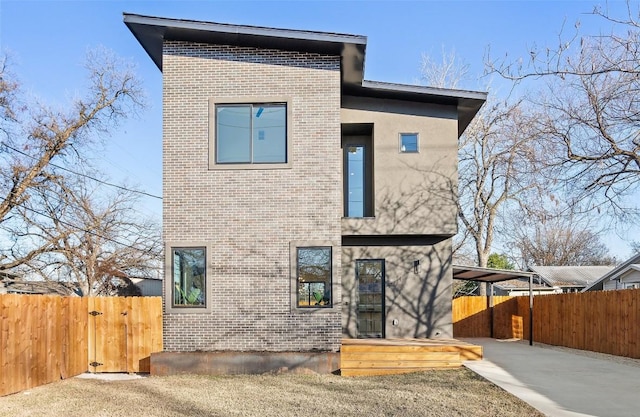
column 47, row 41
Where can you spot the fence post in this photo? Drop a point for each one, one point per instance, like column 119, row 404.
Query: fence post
column 531, row 310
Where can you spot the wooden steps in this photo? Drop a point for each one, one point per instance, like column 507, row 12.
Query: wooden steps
column 366, row 357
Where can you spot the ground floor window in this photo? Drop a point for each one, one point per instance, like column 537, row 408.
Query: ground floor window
column 188, row 268
column 314, row 277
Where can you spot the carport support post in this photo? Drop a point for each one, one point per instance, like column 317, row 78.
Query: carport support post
column 491, row 307
column 530, row 309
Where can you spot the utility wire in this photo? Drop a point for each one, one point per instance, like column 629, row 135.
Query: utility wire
column 91, row 232
column 70, row 224
column 83, row 175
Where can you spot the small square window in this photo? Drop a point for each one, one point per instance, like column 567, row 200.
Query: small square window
column 408, row 142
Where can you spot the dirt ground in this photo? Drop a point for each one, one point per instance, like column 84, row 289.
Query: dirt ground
column 437, row 393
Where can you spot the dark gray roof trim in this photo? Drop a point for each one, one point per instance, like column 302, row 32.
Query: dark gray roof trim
column 420, row 89
column 468, row 102
column 150, row 31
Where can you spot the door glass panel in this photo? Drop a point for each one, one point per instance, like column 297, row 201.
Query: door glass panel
column 370, row 276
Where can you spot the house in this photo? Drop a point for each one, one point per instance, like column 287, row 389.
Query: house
column 302, row 204
column 519, row 287
column 570, row 278
column 12, row 283
column 624, row 276
column 149, row 287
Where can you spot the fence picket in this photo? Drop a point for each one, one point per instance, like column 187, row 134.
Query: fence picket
column 44, row 338
column 599, row 321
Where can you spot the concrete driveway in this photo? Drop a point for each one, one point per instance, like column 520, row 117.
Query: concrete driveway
column 561, row 382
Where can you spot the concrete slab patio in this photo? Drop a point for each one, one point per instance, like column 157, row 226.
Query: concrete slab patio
column 561, row 382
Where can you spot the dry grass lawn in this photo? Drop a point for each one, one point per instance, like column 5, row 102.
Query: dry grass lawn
column 449, row 393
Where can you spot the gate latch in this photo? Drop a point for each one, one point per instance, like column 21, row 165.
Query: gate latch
column 95, row 313
column 94, row 364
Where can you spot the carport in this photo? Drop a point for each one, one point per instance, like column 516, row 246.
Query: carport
column 491, row 276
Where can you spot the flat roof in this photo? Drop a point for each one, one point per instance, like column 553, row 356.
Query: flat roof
column 476, row 273
column 467, row 102
column 151, row 31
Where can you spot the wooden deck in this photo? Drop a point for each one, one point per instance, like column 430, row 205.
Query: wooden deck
column 360, row 357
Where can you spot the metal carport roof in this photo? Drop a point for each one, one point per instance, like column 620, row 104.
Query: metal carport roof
column 491, row 275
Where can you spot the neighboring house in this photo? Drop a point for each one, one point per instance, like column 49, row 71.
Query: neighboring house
column 11, row 283
column 149, row 287
column 518, row 287
column 6, row 281
column 302, row 204
column 625, row 275
column 569, row 278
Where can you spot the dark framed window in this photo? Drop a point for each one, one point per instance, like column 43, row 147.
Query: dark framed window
column 188, row 268
column 355, row 157
column 251, row 133
column 314, row 277
column 409, row 143
column 358, row 176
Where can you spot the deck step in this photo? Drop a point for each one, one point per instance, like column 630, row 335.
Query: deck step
column 376, row 358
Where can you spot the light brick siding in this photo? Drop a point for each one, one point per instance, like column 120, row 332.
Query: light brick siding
column 248, row 217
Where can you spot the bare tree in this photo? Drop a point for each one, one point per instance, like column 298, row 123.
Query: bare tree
column 497, row 157
column 37, row 138
column 588, row 114
column 558, row 241
column 8, row 90
column 95, row 243
column 497, row 162
column 449, row 72
column 44, row 135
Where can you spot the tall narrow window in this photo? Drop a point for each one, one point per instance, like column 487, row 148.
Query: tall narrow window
column 313, row 273
column 355, row 181
column 189, row 277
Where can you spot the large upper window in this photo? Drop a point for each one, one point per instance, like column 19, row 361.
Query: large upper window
column 188, row 266
column 313, row 273
column 251, row 133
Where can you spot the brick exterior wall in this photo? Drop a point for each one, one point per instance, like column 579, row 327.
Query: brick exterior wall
column 247, row 218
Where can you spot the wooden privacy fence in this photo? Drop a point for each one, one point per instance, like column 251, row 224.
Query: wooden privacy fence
column 44, row 338
column 472, row 317
column 598, row 321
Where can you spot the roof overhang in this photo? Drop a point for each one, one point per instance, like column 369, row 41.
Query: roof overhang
column 151, row 31
column 468, row 103
column 475, row 273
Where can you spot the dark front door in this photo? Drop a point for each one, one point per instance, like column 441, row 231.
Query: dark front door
column 370, row 278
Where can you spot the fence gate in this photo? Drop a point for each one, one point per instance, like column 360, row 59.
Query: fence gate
column 123, row 332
